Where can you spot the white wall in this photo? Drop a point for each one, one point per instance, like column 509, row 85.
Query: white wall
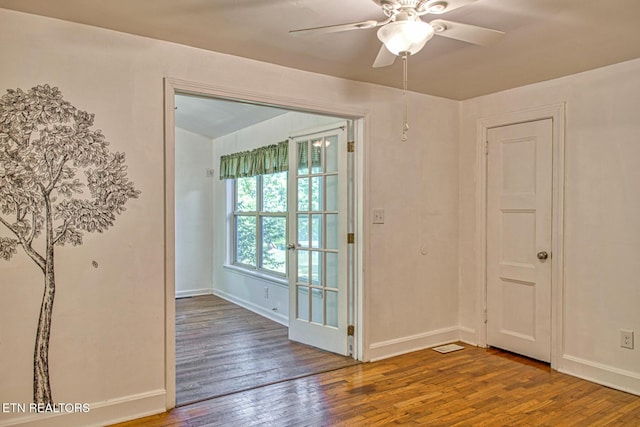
column 245, row 289
column 108, row 338
column 194, row 214
column 602, row 224
column 413, row 256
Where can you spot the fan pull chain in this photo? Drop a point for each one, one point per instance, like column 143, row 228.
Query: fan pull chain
column 405, row 122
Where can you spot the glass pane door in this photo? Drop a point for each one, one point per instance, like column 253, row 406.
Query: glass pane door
column 318, row 299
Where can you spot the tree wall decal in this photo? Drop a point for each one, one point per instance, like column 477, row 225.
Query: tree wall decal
column 46, row 144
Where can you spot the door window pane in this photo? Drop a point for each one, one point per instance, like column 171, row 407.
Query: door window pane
column 331, row 154
column 303, row 303
column 316, row 158
column 331, row 270
column 316, row 268
column 331, row 300
column 303, row 194
column 317, row 306
column 316, row 231
column 303, row 158
column 332, row 231
column 316, row 193
column 303, row 267
column 332, row 192
column 303, row 230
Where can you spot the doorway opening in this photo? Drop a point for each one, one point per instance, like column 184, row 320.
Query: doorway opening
column 230, row 235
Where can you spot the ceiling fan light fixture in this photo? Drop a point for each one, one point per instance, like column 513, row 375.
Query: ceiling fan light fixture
column 405, row 37
column 437, row 7
column 320, row 142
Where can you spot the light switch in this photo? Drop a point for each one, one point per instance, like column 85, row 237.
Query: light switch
column 378, row 216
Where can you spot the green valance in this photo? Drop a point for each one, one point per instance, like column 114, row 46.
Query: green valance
column 270, row 159
column 264, row 160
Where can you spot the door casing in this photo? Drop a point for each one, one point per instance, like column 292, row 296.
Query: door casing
column 173, row 86
column 555, row 112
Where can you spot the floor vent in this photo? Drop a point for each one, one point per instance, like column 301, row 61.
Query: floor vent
column 448, row 348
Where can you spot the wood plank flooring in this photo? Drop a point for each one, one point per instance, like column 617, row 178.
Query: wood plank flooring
column 222, row 348
column 470, row 387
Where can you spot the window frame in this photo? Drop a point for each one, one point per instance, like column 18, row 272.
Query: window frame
column 258, row 214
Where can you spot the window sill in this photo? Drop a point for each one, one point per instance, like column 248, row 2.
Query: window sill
column 281, row 281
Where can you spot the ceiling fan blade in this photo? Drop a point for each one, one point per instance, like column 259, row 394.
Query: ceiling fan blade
column 384, row 58
column 437, row 7
column 335, row 28
column 466, row 33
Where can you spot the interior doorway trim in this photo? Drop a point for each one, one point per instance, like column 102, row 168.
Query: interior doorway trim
column 555, row 112
column 173, row 86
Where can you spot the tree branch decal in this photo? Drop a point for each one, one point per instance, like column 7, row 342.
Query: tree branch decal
column 46, row 147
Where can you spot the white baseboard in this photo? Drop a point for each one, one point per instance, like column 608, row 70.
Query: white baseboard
column 269, row 314
column 99, row 414
column 395, row 347
column 194, row 292
column 468, row 336
column 599, row 373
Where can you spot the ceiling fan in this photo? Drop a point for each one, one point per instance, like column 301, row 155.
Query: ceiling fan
column 403, row 33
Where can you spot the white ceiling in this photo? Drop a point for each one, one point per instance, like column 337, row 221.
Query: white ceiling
column 545, row 38
column 214, row 118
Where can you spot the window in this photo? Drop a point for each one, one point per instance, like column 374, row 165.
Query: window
column 260, row 223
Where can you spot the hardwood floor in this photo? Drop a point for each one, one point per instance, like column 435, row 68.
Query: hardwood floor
column 222, row 348
column 470, row 387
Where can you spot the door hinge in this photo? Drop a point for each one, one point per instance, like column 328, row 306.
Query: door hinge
column 351, row 146
column 351, row 238
column 486, row 147
column 484, row 315
column 351, row 330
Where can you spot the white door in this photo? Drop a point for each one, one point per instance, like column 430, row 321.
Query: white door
column 519, row 184
column 318, row 297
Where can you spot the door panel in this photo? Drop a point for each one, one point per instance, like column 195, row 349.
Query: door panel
column 318, row 269
column 519, row 187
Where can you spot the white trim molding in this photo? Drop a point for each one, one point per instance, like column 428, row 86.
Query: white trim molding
column 172, row 86
column 269, row 314
column 555, row 112
column 599, row 373
column 385, row 349
column 194, row 292
column 468, row 335
column 169, row 244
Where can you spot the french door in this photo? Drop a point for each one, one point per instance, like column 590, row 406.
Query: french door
column 318, row 261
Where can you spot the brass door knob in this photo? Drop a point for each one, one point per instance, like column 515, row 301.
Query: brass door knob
column 542, row 255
